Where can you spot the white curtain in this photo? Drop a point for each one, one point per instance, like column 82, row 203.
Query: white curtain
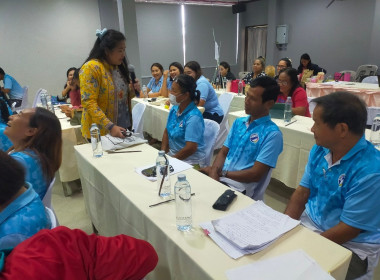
column 256, row 44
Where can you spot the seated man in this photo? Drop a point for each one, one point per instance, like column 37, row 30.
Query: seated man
column 11, row 89
column 340, row 188
column 22, row 213
column 253, row 143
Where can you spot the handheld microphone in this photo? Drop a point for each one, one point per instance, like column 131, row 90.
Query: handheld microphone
column 131, row 70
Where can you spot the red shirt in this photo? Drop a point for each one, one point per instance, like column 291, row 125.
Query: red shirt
column 75, row 98
column 299, row 99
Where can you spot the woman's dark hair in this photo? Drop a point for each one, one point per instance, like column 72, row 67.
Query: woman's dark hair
column 343, row 107
column 2, row 71
column 306, row 57
column 47, row 142
column 193, row 65
column 188, row 84
column 226, row 66
column 67, row 74
column 108, row 42
column 292, row 74
column 12, row 177
column 178, row 66
column 287, row 61
column 4, row 110
column 262, row 61
column 158, row 65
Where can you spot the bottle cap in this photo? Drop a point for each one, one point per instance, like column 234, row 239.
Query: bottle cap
column 161, row 153
column 181, row 177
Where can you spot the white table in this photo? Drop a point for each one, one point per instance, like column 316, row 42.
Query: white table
column 117, row 200
column 71, row 136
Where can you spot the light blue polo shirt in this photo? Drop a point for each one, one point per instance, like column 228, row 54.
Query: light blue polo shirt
column 155, row 87
column 260, row 141
column 21, row 219
column 208, row 94
column 169, row 84
column 17, row 91
column 348, row 191
column 33, row 170
column 5, row 143
column 187, row 127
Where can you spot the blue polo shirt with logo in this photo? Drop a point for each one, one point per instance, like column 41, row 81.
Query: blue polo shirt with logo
column 347, row 191
column 155, row 86
column 260, row 141
column 186, row 127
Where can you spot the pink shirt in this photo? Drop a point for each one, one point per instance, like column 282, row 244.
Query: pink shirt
column 299, row 99
column 75, row 98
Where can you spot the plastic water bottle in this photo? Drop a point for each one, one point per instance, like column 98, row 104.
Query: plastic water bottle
column 145, row 90
column 288, row 110
column 240, row 88
column 43, row 97
column 162, row 169
column 182, row 191
column 49, row 105
column 225, row 84
column 375, row 132
column 96, row 143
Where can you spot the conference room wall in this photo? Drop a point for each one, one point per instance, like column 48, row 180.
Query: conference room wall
column 336, row 38
column 160, row 35
column 41, row 39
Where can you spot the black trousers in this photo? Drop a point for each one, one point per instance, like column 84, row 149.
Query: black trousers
column 214, row 117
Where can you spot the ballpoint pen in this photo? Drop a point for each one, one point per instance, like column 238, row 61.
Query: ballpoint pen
column 290, row 123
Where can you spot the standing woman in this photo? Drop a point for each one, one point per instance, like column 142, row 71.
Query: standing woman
column 290, row 86
column 155, row 84
column 183, row 136
column 258, row 68
column 208, row 99
column 106, row 92
column 37, row 144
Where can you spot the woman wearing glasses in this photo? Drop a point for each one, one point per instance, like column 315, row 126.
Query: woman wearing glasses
column 282, row 64
column 290, row 86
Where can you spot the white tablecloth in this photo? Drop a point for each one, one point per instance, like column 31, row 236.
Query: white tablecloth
column 70, row 137
column 117, row 200
column 237, row 103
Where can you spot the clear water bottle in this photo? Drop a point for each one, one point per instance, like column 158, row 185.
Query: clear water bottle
column 288, row 110
column 225, row 83
column 375, row 132
column 182, row 191
column 163, row 174
column 49, row 105
column 43, row 97
column 96, row 142
column 240, row 88
column 145, row 92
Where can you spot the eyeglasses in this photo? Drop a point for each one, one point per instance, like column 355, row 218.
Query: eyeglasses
column 284, row 83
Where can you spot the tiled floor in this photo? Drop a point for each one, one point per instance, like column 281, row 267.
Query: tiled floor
column 71, row 210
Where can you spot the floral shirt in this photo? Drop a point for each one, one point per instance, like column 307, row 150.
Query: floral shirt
column 247, row 79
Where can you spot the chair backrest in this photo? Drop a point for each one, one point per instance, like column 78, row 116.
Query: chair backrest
column 37, row 97
column 24, row 101
column 47, row 198
column 53, row 219
column 209, row 137
column 364, row 71
column 243, row 74
column 258, row 189
column 137, row 118
column 370, row 80
column 225, row 102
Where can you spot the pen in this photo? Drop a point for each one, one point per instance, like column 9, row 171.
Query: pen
column 121, row 152
column 290, row 123
column 162, row 202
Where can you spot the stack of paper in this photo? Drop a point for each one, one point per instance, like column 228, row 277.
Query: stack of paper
column 296, row 265
column 249, row 230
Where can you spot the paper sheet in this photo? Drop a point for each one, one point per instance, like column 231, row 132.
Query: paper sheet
column 254, row 226
column 178, row 166
column 296, row 265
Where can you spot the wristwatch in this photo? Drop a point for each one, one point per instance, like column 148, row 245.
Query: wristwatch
column 224, row 173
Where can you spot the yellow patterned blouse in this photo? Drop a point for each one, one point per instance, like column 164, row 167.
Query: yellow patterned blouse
column 97, row 96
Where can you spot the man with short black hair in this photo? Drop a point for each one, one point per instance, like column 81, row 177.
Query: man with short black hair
column 22, row 213
column 253, row 144
column 339, row 193
column 12, row 90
